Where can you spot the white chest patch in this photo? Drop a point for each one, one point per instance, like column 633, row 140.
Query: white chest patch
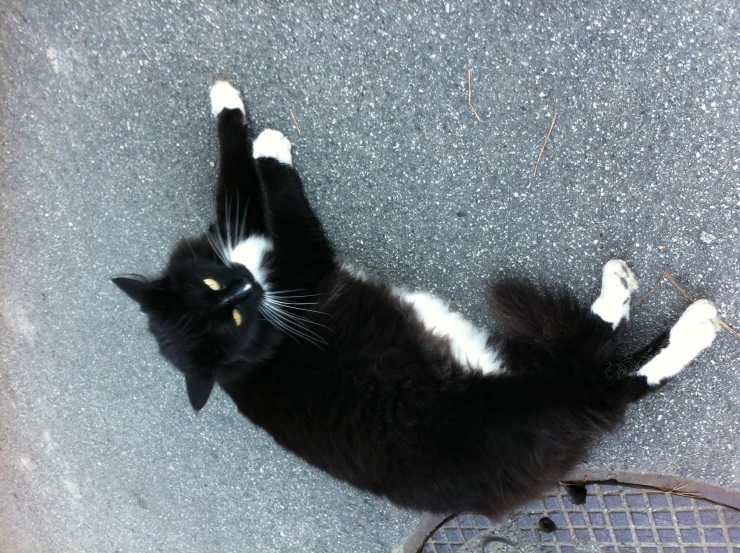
column 468, row 343
column 251, row 253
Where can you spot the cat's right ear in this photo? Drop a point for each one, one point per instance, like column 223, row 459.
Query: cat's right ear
column 137, row 287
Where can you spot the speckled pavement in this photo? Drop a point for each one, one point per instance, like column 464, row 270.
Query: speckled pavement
column 108, row 153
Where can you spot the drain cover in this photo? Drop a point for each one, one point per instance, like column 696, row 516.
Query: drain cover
column 614, row 519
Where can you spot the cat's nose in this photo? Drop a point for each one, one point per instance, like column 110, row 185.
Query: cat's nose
column 237, row 292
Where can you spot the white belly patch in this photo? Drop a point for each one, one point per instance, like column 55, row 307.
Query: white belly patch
column 468, row 343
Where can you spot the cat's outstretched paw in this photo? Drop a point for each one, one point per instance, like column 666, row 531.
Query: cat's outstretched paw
column 272, row 143
column 693, row 333
column 695, row 330
column 618, row 282
column 224, row 96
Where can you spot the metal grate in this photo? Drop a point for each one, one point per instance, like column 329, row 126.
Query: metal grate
column 614, row 519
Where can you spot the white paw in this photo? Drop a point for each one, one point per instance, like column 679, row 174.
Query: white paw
column 617, row 284
column 224, row 96
column 695, row 330
column 271, row 143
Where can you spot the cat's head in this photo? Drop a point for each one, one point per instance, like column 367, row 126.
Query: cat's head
column 204, row 314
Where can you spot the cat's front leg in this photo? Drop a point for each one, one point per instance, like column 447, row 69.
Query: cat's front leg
column 239, row 196
column 272, row 144
column 300, row 241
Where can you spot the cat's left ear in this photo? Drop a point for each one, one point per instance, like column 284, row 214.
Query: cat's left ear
column 199, row 389
column 136, row 287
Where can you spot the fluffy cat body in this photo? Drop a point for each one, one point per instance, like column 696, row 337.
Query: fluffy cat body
column 389, row 389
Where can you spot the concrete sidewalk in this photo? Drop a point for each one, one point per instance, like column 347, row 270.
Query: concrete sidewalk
column 108, row 155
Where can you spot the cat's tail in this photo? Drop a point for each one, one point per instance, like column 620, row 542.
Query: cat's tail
column 536, row 315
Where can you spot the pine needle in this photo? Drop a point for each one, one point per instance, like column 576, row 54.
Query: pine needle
column 295, row 121
column 542, row 150
column 470, row 95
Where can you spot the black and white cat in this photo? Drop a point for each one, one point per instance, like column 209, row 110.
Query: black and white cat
column 389, row 389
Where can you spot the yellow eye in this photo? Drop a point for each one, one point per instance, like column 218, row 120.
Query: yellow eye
column 237, row 317
column 212, row 284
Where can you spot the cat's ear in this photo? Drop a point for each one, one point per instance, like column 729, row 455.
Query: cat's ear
column 199, row 389
column 136, row 287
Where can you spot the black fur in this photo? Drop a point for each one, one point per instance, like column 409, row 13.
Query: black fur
column 366, row 393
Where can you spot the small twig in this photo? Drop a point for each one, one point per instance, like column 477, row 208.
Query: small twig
column 676, row 490
column 542, row 150
column 470, row 95
column 643, row 298
column 730, row 329
column 295, row 121
column 667, row 275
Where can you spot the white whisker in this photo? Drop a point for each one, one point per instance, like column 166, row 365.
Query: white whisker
column 295, row 320
column 214, row 238
column 288, row 301
column 228, row 224
column 292, row 305
column 289, row 321
column 297, row 317
column 285, row 329
column 289, row 304
column 242, row 230
column 280, row 292
column 305, row 298
column 288, row 328
column 303, row 309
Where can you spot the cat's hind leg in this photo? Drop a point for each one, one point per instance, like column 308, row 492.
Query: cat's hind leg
column 668, row 354
column 618, row 283
column 566, row 333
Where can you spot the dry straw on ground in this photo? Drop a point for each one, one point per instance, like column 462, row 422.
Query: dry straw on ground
column 542, row 150
column 295, row 121
column 470, row 94
column 668, row 276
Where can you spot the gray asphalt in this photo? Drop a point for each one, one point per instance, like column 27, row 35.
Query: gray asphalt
column 108, row 157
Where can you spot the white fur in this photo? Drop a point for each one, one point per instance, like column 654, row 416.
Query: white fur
column 251, row 253
column 357, row 272
column 617, row 284
column 272, row 143
column 224, row 96
column 693, row 332
column 467, row 342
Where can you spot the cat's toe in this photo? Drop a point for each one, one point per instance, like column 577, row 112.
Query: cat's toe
column 272, row 143
column 224, row 96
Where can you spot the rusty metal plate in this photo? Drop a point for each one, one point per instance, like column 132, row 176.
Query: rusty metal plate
column 614, row 519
